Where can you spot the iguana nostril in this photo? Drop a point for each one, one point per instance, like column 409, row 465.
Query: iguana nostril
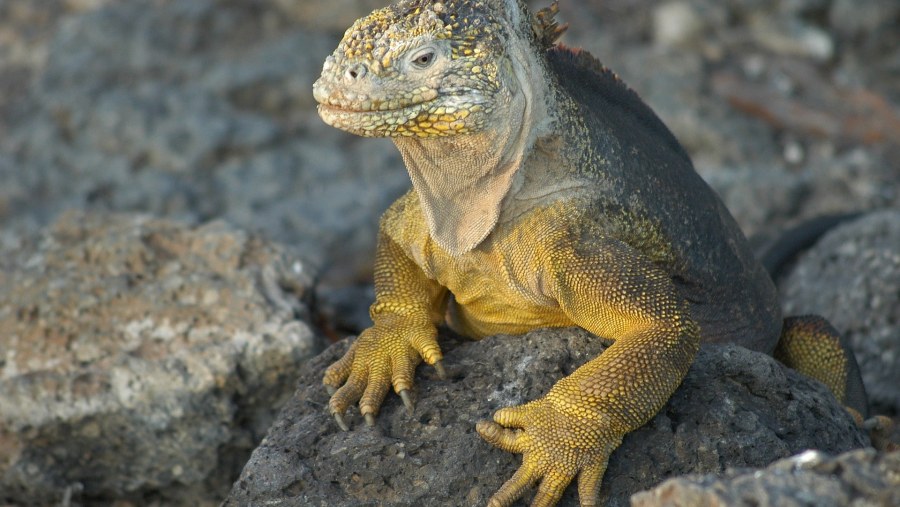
column 357, row 71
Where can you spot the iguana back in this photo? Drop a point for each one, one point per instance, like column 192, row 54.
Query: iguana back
column 642, row 175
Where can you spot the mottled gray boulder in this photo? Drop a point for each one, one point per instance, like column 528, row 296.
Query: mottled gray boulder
column 195, row 109
column 860, row 477
column 141, row 358
column 852, row 277
column 336, row 15
column 736, row 408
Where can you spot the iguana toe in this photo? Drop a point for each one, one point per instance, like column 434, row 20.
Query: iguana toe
column 346, row 396
column 589, row 481
column 513, row 488
column 377, row 388
column 551, row 490
column 337, row 373
column 500, row 437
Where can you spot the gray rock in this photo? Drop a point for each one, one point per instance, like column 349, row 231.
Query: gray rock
column 676, row 23
column 735, row 408
column 141, row 358
column 758, row 196
column 710, row 130
column 863, row 17
column 768, row 199
column 852, row 277
column 792, row 37
column 193, row 110
column 859, row 477
column 336, row 15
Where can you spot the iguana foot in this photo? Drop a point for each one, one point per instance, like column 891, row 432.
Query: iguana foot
column 881, row 431
column 377, row 360
column 556, row 447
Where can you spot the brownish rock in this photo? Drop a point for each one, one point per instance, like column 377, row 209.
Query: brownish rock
column 141, row 355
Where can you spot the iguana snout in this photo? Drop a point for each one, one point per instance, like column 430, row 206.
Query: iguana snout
column 417, row 69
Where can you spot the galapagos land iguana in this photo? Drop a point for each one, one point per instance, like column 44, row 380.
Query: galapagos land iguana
column 545, row 194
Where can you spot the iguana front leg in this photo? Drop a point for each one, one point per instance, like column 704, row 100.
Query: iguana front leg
column 612, row 291
column 407, row 307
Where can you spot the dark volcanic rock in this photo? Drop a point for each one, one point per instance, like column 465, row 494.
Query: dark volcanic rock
column 736, row 408
column 859, row 477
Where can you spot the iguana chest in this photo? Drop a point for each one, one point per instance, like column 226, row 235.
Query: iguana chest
column 496, row 287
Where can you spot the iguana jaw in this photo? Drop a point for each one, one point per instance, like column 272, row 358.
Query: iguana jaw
column 421, row 112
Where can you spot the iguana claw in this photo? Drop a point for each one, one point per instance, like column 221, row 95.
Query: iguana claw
column 340, row 421
column 439, row 367
column 407, row 402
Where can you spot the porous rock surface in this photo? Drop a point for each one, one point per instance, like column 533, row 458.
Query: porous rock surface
column 852, row 277
column 140, row 355
column 193, row 109
column 736, row 408
column 861, row 477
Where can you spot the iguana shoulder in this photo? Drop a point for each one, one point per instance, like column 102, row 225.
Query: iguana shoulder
column 635, row 180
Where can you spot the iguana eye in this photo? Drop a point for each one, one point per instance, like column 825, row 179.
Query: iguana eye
column 423, row 59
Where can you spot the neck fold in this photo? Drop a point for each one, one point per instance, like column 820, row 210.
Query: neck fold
column 462, row 180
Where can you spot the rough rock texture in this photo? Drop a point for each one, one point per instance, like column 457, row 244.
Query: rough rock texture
column 335, row 15
column 195, row 109
column 201, row 109
column 852, row 276
column 736, row 408
column 140, row 355
column 782, row 129
column 860, row 478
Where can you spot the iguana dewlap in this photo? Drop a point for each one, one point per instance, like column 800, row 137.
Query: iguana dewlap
column 545, row 194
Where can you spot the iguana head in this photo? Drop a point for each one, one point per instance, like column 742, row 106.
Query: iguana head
column 461, row 88
column 424, row 68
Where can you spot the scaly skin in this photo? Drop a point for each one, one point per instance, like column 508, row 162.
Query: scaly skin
column 546, row 194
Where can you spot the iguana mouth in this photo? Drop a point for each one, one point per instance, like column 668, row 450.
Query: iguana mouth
column 431, row 113
column 385, row 107
column 373, row 122
column 359, row 101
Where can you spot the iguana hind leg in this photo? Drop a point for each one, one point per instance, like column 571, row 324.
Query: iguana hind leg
column 812, row 346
